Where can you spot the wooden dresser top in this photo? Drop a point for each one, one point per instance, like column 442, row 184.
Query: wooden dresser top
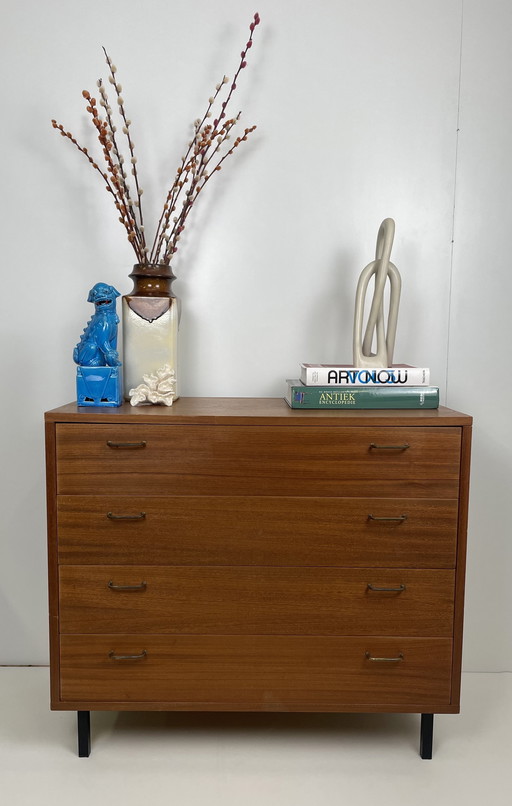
column 253, row 411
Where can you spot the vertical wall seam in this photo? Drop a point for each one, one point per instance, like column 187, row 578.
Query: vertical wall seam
column 455, row 175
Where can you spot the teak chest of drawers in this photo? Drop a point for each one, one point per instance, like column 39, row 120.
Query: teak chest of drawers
column 235, row 555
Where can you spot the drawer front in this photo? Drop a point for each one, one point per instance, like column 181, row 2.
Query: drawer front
column 249, row 460
column 221, row 530
column 244, row 600
column 264, row 673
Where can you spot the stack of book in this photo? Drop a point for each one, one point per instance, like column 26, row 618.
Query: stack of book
column 341, row 386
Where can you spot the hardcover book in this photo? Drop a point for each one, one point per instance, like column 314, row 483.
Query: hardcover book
column 348, row 375
column 300, row 396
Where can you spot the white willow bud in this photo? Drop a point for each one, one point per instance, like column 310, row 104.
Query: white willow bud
column 120, row 101
column 211, row 99
column 113, row 68
column 133, row 160
column 119, row 88
column 225, row 80
column 140, row 191
column 110, row 78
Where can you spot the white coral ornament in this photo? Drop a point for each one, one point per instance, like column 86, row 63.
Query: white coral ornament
column 157, row 388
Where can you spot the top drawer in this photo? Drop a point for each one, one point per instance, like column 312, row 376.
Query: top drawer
column 250, row 460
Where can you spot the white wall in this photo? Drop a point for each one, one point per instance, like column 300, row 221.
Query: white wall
column 357, row 104
column 479, row 368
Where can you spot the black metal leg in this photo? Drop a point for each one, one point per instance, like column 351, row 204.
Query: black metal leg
column 84, row 733
column 426, row 735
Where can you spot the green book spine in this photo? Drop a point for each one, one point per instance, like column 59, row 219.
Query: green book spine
column 300, row 396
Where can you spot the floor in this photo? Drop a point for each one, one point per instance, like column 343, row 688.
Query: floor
column 249, row 759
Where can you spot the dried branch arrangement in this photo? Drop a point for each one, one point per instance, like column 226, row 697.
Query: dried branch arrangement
column 204, row 155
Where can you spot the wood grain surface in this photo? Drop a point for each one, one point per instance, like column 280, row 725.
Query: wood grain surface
column 242, row 600
column 256, row 549
column 271, row 530
column 252, row 460
column 269, row 673
column 252, row 411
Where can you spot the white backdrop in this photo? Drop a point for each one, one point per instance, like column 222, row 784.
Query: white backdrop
column 358, row 105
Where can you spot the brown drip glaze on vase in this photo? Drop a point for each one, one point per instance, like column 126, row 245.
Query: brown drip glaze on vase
column 152, row 294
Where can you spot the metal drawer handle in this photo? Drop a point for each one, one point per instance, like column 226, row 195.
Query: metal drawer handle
column 369, row 656
column 113, row 656
column 140, row 517
column 111, row 444
column 141, row 587
column 397, row 589
column 390, row 447
column 378, row 518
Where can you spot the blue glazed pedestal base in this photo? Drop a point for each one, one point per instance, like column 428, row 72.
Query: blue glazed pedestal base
column 98, row 386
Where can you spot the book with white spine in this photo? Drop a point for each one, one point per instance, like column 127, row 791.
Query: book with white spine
column 348, row 375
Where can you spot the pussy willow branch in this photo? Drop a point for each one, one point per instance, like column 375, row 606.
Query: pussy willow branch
column 196, row 187
column 122, row 205
column 241, row 66
column 172, row 196
column 179, row 224
column 126, row 131
column 203, row 151
column 120, row 162
column 108, row 184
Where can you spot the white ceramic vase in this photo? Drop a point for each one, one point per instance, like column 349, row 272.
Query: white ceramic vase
column 150, row 316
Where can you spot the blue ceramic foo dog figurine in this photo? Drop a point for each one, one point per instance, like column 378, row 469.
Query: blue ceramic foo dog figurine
column 98, row 381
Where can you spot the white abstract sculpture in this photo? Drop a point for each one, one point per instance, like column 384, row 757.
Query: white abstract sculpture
column 157, row 388
column 382, row 268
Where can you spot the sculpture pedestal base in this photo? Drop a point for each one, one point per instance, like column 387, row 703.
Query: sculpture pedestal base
column 98, row 386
